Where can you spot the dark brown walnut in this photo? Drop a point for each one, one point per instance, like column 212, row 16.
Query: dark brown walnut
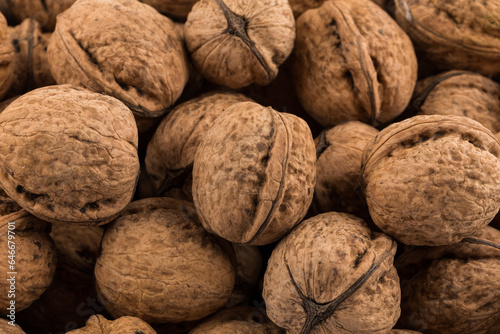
column 31, row 66
column 339, row 151
column 432, row 180
column 10, row 328
column 159, row 264
column 241, row 320
column 97, row 324
column 459, row 34
column 68, row 154
column 300, row 6
column 459, row 93
column 7, row 204
column 34, row 257
column 254, row 174
column 452, row 289
column 7, row 57
column 236, row 44
column 121, row 48
column 170, row 154
column 352, row 62
column 177, row 9
column 332, row 274
column 43, row 11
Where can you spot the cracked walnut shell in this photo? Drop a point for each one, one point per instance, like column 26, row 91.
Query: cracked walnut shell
column 432, row 180
column 121, row 48
column 332, row 274
column 254, row 174
column 237, row 43
column 97, row 324
column 68, row 154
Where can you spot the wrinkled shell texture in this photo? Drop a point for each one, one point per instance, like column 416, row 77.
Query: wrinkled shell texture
column 300, row 6
column 44, row 11
column 178, row 9
column 453, row 289
column 7, row 204
column 460, row 34
column 122, row 48
column 312, row 273
column 5, row 328
column 460, row 93
column 432, row 180
column 237, row 43
column 352, row 62
column 158, row 263
column 338, row 166
column 35, row 260
column 97, row 324
column 80, row 148
column 254, row 174
column 171, row 150
column 7, row 56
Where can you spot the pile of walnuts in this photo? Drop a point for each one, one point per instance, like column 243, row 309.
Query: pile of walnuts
column 249, row 166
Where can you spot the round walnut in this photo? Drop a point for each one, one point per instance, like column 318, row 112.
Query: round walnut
column 339, row 151
column 332, row 274
column 452, row 289
column 97, row 324
column 159, row 264
column 235, row 44
column 460, row 93
column 460, row 34
column 121, row 48
column 31, row 252
column 68, row 154
column 7, row 57
column 43, row 11
column 432, row 180
column 254, row 174
column 170, row 154
column 177, row 9
column 352, row 62
column 7, row 328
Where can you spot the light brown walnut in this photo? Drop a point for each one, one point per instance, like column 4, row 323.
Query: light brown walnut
column 300, row 6
column 97, row 324
column 6, row 328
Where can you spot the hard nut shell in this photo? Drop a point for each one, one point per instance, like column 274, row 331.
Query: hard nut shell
column 97, row 324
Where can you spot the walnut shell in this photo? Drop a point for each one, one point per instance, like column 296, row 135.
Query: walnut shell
column 7, row 328
column 339, row 151
column 254, row 174
column 452, row 289
column 35, row 260
column 432, row 180
column 7, row 56
column 43, row 11
column 460, row 34
column 300, row 6
column 236, row 44
column 122, row 48
column 97, row 324
column 80, row 148
column 352, row 62
column 460, row 93
column 332, row 274
column 170, row 153
column 178, row 9
column 7, row 204
column 159, row 264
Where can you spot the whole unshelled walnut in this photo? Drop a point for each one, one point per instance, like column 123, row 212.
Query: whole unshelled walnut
column 121, row 48
column 237, row 43
column 254, row 174
column 43, row 11
column 68, row 154
column 97, row 324
column 352, row 62
column 432, row 180
column 332, row 274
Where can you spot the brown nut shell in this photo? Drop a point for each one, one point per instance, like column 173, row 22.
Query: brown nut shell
column 7, row 204
column 34, row 260
column 254, row 174
column 300, row 6
column 43, row 11
column 159, row 264
column 122, row 48
column 352, row 62
column 68, row 154
column 97, row 324
column 332, row 274
column 235, row 44
column 10, row 327
column 7, row 57
column 432, row 180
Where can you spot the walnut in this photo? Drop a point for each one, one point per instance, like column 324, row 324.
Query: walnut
column 300, row 6
column 332, row 274
column 122, row 48
column 171, row 150
column 254, row 174
column 80, row 148
column 338, row 167
column 352, row 62
column 6, row 328
column 97, row 324
column 432, row 180
column 6, row 58
column 236, row 44
column 35, row 260
column 7, row 204
column 43, row 11
column 159, row 264
column 452, row 289
column 178, row 9
column 460, row 34
column 459, row 93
